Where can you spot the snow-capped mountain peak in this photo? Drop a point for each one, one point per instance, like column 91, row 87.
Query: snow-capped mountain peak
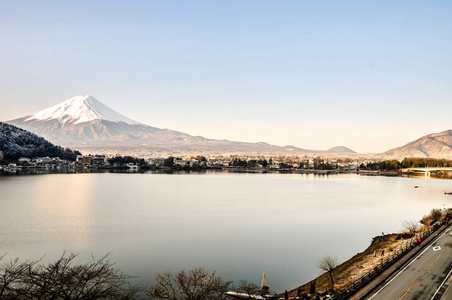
column 80, row 109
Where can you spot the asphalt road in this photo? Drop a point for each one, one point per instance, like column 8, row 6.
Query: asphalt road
column 425, row 277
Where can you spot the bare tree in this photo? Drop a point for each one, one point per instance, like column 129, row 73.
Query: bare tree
column 96, row 279
column 195, row 284
column 248, row 288
column 411, row 226
column 328, row 264
column 436, row 214
column 10, row 277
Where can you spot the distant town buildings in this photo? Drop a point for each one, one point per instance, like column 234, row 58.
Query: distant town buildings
column 276, row 163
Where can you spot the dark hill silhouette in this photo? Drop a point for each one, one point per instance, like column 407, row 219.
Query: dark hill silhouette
column 16, row 142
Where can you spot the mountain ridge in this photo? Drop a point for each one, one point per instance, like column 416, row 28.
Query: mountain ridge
column 341, row 150
column 85, row 122
column 438, row 145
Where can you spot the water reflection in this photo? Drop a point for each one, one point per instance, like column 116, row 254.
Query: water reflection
column 240, row 224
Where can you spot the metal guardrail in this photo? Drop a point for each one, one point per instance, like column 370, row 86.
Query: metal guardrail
column 383, row 265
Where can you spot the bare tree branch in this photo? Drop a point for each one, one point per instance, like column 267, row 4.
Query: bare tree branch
column 411, row 226
column 63, row 280
column 328, row 264
column 194, row 284
column 248, row 288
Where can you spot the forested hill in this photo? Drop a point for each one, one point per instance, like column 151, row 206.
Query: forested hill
column 16, row 142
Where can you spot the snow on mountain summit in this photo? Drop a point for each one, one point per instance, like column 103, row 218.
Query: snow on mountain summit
column 84, row 122
column 80, row 109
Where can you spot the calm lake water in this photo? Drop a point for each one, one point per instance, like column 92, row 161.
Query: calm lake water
column 241, row 225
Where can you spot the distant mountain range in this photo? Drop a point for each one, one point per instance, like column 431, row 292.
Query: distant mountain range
column 16, row 142
column 436, row 145
column 86, row 123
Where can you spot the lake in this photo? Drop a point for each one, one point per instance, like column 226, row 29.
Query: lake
column 241, row 225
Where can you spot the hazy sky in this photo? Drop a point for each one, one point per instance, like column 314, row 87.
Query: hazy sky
column 370, row 75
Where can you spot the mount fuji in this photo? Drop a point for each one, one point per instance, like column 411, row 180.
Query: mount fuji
column 83, row 122
column 81, row 109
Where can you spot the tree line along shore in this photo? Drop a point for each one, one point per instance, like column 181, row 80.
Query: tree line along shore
column 21, row 149
column 74, row 160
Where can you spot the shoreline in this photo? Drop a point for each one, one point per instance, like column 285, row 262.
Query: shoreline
column 358, row 266
column 351, row 269
column 47, row 171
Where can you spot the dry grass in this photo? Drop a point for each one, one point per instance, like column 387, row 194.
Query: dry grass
column 349, row 271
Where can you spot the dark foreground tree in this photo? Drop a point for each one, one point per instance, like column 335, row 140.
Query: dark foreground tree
column 195, row 284
column 63, row 279
column 328, row 264
column 248, row 288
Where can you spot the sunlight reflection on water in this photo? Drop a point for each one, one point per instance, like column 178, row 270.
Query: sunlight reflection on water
column 241, row 225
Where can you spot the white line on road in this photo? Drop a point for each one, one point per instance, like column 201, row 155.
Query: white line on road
column 441, row 285
column 408, row 265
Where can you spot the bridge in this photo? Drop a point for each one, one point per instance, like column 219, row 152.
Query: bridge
column 427, row 171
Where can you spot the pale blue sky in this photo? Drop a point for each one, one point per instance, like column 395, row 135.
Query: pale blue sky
column 370, row 75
